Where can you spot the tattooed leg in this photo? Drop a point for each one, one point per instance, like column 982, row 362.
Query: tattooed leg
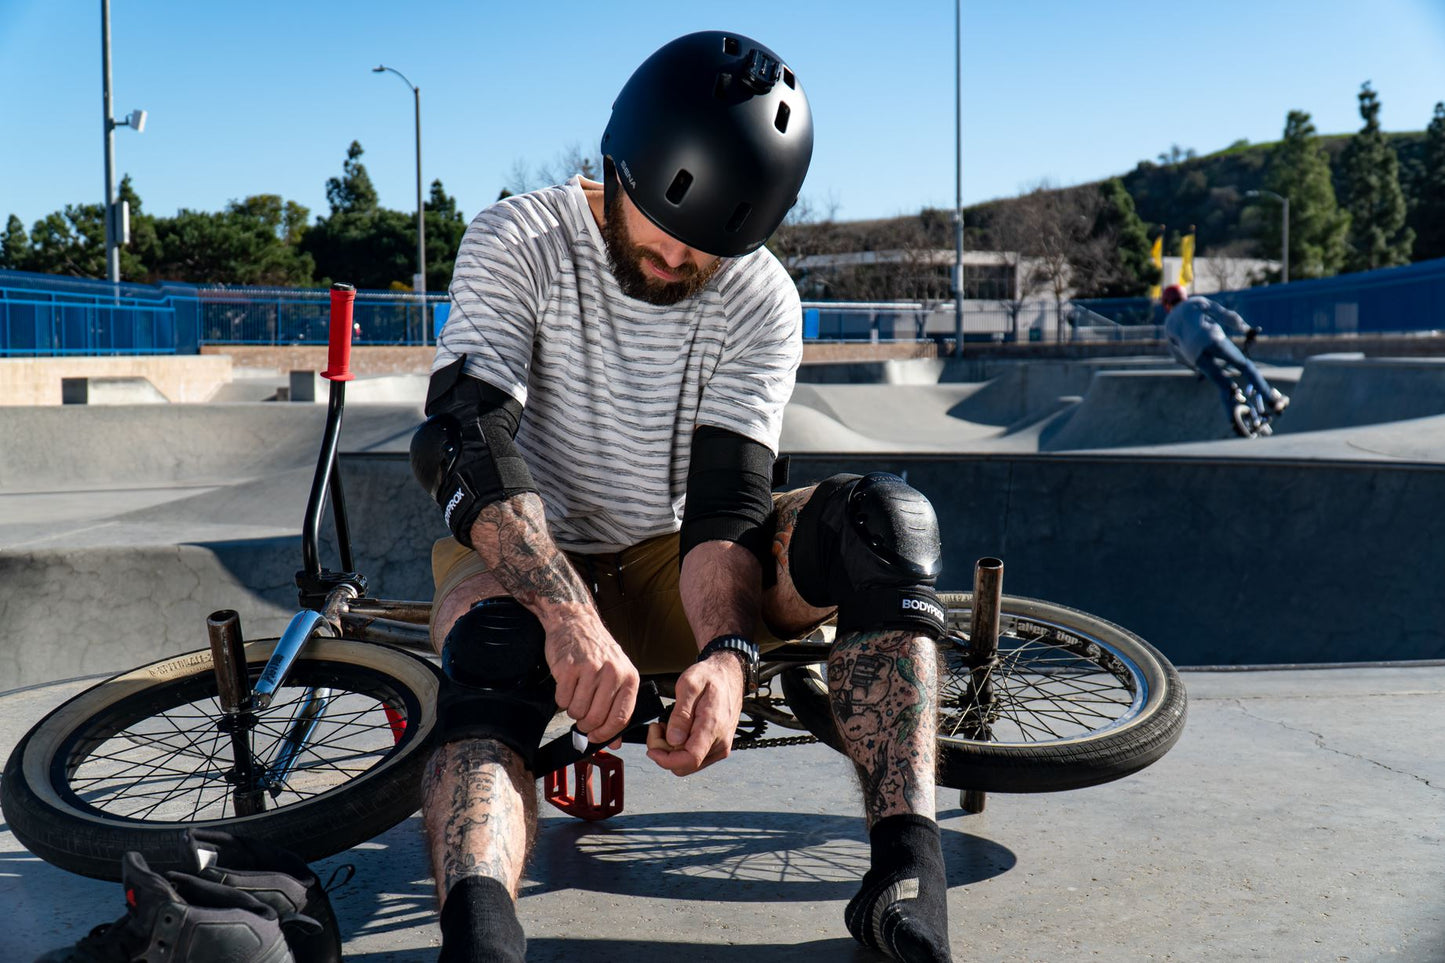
column 480, row 809
column 882, row 686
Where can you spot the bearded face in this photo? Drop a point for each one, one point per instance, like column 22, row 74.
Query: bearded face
column 641, row 272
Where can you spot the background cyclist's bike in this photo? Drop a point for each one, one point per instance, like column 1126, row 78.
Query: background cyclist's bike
column 316, row 740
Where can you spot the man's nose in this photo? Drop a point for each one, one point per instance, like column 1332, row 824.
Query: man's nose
column 673, row 252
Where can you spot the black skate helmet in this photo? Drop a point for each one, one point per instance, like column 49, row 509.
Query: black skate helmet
column 711, row 138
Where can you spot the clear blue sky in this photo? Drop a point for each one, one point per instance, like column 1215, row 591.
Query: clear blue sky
column 265, row 96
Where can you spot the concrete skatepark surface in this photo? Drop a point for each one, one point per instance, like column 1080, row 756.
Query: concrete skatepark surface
column 1299, row 818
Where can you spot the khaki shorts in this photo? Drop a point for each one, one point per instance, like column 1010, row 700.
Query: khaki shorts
column 636, row 591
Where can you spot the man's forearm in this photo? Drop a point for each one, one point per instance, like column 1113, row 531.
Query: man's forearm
column 511, row 537
column 721, row 587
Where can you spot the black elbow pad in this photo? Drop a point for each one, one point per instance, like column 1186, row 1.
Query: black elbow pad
column 463, row 454
column 729, row 494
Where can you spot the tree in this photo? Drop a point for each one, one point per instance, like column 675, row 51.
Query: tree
column 360, row 242
column 1113, row 261
column 1058, row 224
column 573, row 160
column 445, row 226
column 1428, row 216
column 352, row 192
column 1378, row 236
column 15, row 246
column 251, row 242
column 1299, row 170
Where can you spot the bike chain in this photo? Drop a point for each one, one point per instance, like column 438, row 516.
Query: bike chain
column 761, row 726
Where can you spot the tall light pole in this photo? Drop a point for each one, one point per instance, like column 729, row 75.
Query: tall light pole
column 1284, row 229
column 116, row 216
column 958, row 179
column 419, row 281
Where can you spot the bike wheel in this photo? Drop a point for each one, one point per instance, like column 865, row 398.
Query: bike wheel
column 134, row 761
column 1077, row 701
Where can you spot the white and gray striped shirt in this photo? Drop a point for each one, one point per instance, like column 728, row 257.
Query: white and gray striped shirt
column 613, row 387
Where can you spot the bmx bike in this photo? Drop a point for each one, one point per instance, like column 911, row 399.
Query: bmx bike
column 316, row 741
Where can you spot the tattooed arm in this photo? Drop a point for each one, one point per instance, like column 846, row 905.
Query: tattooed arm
column 596, row 682
column 721, row 587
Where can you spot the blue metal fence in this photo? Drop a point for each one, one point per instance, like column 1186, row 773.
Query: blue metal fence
column 43, row 314
column 1409, row 298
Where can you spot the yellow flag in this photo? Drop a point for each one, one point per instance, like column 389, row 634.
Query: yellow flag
column 1186, row 261
column 1156, row 254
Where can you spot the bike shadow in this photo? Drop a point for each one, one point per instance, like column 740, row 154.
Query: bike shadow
column 725, row 856
column 545, row 950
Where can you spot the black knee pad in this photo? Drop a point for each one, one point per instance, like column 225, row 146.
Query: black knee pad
column 870, row 545
column 500, row 687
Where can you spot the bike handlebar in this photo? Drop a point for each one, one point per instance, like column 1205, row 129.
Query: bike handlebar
column 338, row 355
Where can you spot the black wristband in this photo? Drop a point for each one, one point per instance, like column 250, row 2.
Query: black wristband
column 742, row 647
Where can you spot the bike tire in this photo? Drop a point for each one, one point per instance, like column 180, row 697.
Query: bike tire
column 1131, row 704
column 66, row 799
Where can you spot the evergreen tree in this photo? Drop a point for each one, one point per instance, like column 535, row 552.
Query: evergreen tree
column 248, row 243
column 352, row 192
column 1378, row 236
column 15, row 246
column 1113, row 261
column 1428, row 216
column 1300, row 170
column 445, row 226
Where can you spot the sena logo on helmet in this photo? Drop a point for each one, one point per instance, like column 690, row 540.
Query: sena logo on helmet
column 627, row 173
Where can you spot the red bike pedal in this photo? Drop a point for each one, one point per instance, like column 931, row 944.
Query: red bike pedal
column 580, row 801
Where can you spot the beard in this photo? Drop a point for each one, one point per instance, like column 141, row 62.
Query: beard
column 625, row 259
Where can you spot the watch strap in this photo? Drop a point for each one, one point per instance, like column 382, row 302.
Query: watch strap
column 746, row 651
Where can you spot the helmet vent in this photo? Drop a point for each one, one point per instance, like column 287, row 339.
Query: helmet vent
column 731, row 47
column 781, row 121
column 739, row 216
column 720, row 88
column 680, row 184
column 789, row 79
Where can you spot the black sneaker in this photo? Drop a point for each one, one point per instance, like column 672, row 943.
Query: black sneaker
column 180, row 918
column 275, row 876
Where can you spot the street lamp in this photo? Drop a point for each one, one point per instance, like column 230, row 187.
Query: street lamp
column 117, row 215
column 1284, row 230
column 958, row 179
column 418, row 282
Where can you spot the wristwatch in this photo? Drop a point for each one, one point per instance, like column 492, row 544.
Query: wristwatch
column 740, row 646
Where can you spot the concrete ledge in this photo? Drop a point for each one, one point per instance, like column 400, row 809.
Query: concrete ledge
column 179, row 378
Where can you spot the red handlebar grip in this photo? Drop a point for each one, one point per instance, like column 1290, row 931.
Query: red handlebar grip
column 338, row 356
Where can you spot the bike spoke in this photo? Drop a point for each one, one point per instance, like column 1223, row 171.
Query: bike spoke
column 173, row 765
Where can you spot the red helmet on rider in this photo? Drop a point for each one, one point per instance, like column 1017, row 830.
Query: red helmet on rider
column 1172, row 295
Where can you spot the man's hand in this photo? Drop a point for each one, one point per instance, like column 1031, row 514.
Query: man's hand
column 596, row 682
column 704, row 717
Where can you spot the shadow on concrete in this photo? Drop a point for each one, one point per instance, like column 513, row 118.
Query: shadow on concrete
column 730, row 857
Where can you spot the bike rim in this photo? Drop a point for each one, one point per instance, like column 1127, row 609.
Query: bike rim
column 166, row 761
column 1050, row 684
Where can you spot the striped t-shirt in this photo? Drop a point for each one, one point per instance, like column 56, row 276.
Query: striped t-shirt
column 613, row 387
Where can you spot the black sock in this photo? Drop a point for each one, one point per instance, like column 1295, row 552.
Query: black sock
column 479, row 924
column 902, row 908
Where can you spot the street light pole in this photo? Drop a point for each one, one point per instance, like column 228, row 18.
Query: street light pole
column 1284, row 228
column 112, row 247
column 419, row 282
column 115, row 215
column 958, row 179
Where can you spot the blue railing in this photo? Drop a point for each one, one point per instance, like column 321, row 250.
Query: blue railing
column 45, row 315
column 282, row 316
column 1402, row 299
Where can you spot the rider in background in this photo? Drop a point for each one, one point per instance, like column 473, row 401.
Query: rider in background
column 1193, row 328
column 611, row 384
